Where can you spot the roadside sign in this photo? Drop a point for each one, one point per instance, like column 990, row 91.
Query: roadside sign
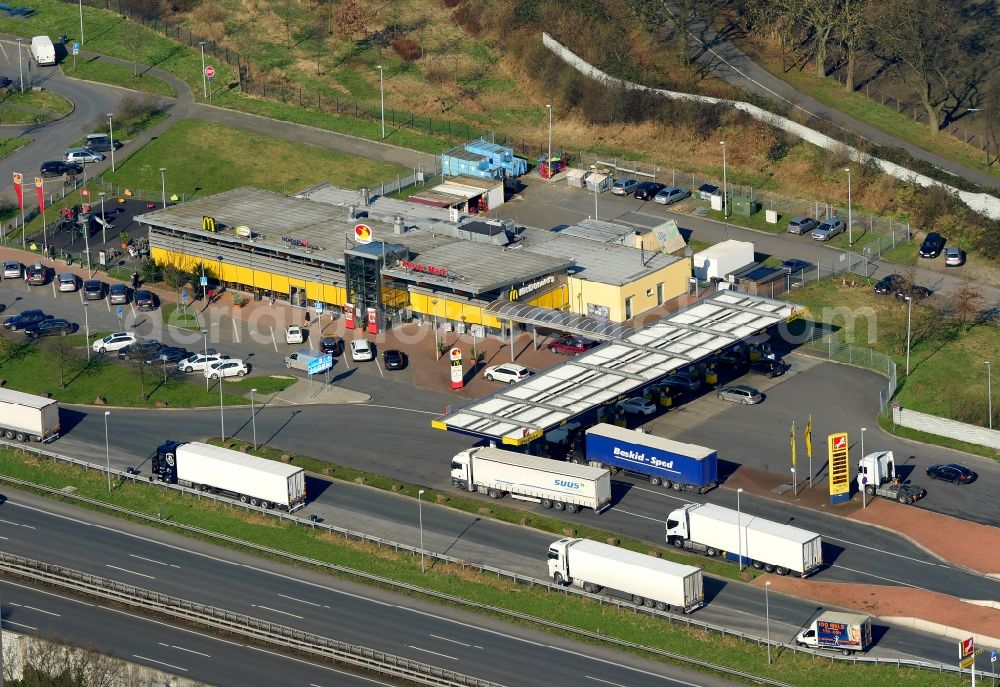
column 203, row 281
column 993, row 656
column 76, row 49
column 121, row 312
column 319, row 307
column 210, row 71
column 184, row 296
column 321, row 364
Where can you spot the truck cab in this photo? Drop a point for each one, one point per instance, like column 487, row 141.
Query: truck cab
column 165, row 462
column 677, row 526
column 558, row 567
column 875, row 469
column 461, row 471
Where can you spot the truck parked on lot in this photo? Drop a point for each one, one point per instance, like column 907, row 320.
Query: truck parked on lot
column 257, row 481
column 661, row 461
column 844, row 632
column 554, row 484
column 877, row 477
column 25, row 417
column 717, row 531
column 646, row 580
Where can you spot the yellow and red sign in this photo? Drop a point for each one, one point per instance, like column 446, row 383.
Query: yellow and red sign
column 457, row 373
column 362, row 233
column 840, row 468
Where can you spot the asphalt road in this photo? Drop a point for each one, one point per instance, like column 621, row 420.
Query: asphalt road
column 374, row 618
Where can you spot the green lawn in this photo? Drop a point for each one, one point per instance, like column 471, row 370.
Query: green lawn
column 572, row 612
column 754, row 221
column 105, row 72
column 33, row 106
column 265, row 386
column 8, row 144
column 176, row 316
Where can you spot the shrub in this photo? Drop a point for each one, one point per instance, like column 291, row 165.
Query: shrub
column 406, row 48
column 451, row 3
column 468, row 19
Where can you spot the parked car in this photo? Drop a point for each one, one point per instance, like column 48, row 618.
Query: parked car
column 12, row 269
column 144, row 300
column 393, row 359
column 53, row 327
column 333, row 345
column 100, row 143
column 37, row 275
column 890, row 284
column 932, row 245
column 570, row 345
column 637, row 406
column 952, row 472
column 954, row 256
column 24, row 319
column 118, row 294
column 684, row 379
column 82, row 155
column 828, row 229
column 362, row 350
column 624, row 187
column 67, row 282
column 913, row 291
column 795, row 265
column 671, row 195
column 732, row 359
column 140, row 350
column 167, row 354
column 802, row 224
column 508, row 373
column 93, row 290
column 114, row 342
column 740, row 393
column 647, row 190
column 769, row 367
column 226, row 368
column 199, row 361
column 294, row 334
column 57, row 168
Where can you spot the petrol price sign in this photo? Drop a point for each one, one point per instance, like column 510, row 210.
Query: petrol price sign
column 840, row 468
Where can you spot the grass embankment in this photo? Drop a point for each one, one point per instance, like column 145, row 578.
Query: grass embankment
column 463, row 583
column 33, row 107
column 9, row 144
column 102, row 71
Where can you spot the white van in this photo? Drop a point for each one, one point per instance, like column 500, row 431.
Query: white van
column 301, row 358
column 42, row 50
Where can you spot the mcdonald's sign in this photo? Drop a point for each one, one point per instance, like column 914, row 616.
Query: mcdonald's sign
column 208, row 224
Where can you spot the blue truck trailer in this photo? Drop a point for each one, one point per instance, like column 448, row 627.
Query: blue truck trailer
column 683, row 467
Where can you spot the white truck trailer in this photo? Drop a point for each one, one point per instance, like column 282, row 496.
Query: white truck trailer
column 847, row 633
column 257, row 481
column 715, row 262
column 552, row 483
column 25, row 417
column 646, row 580
column 717, row 531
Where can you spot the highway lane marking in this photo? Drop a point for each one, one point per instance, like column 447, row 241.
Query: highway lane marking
column 42, row 610
column 428, row 651
column 11, row 622
column 236, row 333
column 274, row 341
column 133, row 572
column 877, row 577
column 275, row 610
column 17, row 524
column 887, row 553
column 607, row 682
column 41, row 591
column 180, row 648
column 636, row 515
column 167, row 625
column 153, row 660
column 150, row 560
column 618, row 666
column 455, row 641
column 302, row 601
column 658, row 493
column 4, row 538
column 409, row 410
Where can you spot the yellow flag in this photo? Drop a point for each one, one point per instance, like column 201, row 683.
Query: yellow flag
column 793, row 443
column 809, row 437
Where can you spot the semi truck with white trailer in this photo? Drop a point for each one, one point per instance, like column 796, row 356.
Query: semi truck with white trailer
column 646, row 580
column 766, row 545
column 25, row 417
column 252, row 480
column 671, row 463
column 554, row 484
column 877, row 477
column 847, row 633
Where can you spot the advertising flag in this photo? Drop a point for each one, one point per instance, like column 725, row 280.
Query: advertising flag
column 793, row 443
column 40, row 188
column 809, row 437
column 19, row 189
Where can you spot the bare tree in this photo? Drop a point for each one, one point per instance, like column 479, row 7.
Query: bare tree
column 854, row 23
column 816, row 19
column 968, row 303
column 132, row 42
column 349, row 18
column 65, row 359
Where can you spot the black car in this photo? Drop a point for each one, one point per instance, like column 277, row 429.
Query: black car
column 647, row 190
column 890, row 284
column 770, row 367
column 932, row 246
column 140, row 350
column 167, row 354
column 144, row 300
column 333, row 345
column 917, row 293
column 952, row 472
column 795, row 265
column 25, row 319
column 37, row 275
column 93, row 290
column 56, row 168
column 51, row 327
column 393, row 359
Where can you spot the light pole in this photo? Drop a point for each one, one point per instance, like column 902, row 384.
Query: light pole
column 81, row 22
column 381, row 92
column 909, row 312
column 725, row 184
column 104, row 219
column 204, row 76
column 253, row 419
column 739, row 528
column 767, row 615
column 863, row 430
column 222, row 415
column 204, row 333
column 989, row 394
column 420, row 515
column 163, row 186
column 850, row 224
column 86, row 325
column 20, row 62
column 107, row 447
column 549, row 158
column 111, row 136
column 434, row 314
column 595, row 198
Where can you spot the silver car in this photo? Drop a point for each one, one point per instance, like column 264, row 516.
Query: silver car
column 803, row 224
column 828, row 229
column 671, row 195
column 12, row 269
column 740, row 393
column 82, row 155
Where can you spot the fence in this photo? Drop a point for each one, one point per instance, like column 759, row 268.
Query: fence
column 932, row 424
column 828, row 345
column 417, row 178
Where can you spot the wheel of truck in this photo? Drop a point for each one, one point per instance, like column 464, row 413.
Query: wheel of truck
column 546, row 503
column 768, row 568
column 870, row 490
column 677, row 542
column 21, row 436
column 660, row 606
column 757, row 565
column 9, row 434
column 266, row 505
column 572, row 508
column 655, row 481
column 846, row 652
column 676, row 486
column 254, row 502
column 244, row 499
column 493, row 493
column 711, row 553
column 638, row 600
column 667, row 484
column 650, row 603
column 558, row 578
column 590, row 588
column 455, row 483
column 35, row 437
column 903, row 498
column 781, row 570
column 558, row 505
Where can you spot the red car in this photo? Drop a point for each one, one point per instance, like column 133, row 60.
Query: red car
column 571, row 345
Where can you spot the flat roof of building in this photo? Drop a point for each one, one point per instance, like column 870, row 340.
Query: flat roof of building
column 460, row 153
column 598, row 230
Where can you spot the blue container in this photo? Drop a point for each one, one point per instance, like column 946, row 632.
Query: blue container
column 695, row 467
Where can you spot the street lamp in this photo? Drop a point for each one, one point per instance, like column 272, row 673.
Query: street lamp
column 863, row 430
column 253, row 419
column 111, row 136
column 549, row 158
column 104, row 219
column 204, row 333
column 107, row 447
column 20, row 62
column 81, row 22
column 739, row 527
column 163, row 186
column 989, row 394
column 909, row 312
column 767, row 615
column 420, row 514
column 86, row 325
column 222, row 415
column 725, row 184
column 204, row 76
column 381, row 91
column 850, row 224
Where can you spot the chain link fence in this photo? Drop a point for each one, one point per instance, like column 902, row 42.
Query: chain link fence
column 828, row 345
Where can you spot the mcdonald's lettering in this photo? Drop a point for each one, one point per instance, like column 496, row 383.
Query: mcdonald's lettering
column 208, row 223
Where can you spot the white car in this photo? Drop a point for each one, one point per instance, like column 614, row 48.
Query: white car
column 508, row 373
column 294, row 334
column 82, row 155
column 637, row 406
column 12, row 269
column 361, row 350
column 198, row 362
column 67, row 282
column 226, row 368
column 114, row 342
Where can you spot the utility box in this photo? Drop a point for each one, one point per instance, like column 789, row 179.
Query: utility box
column 743, row 206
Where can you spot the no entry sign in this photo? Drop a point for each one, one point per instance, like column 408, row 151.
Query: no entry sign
column 210, row 71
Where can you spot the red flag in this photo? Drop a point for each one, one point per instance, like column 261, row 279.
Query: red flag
column 40, row 187
column 18, row 178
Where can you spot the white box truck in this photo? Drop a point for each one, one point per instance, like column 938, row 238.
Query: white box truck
column 25, row 417
column 552, row 483
column 715, row 262
column 646, row 580
column 42, row 50
column 847, row 633
column 257, row 481
column 766, row 545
